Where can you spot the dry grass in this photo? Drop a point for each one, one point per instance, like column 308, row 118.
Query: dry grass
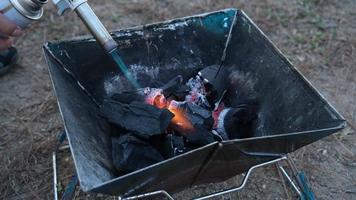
column 317, row 35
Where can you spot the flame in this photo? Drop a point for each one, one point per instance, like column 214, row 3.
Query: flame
column 179, row 121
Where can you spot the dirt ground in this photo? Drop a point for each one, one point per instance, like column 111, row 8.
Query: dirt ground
column 317, row 35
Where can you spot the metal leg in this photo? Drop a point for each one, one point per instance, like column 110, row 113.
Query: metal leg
column 55, row 182
column 284, row 172
column 301, row 187
column 243, row 182
column 69, row 191
column 302, row 181
column 161, row 192
column 61, row 138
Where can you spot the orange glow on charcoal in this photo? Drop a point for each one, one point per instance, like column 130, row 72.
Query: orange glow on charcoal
column 179, row 121
column 160, row 101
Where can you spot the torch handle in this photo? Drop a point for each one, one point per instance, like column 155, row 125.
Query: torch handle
column 91, row 21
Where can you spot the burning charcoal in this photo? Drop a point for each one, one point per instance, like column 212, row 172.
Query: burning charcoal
column 142, row 119
column 233, row 123
column 214, row 78
column 129, row 153
column 195, row 114
column 155, row 97
column 193, row 122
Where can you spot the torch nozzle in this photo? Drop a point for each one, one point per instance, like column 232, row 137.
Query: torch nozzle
column 95, row 26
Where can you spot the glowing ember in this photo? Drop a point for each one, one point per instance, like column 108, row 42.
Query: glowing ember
column 159, row 101
column 179, row 121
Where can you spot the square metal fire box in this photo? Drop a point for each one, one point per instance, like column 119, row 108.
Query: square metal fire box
column 293, row 113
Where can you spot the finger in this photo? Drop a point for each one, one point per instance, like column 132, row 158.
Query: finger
column 6, row 43
column 9, row 28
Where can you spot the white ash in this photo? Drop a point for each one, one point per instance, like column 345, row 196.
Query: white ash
column 197, row 94
column 113, row 85
column 141, row 69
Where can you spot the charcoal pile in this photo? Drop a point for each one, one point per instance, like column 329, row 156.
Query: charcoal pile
column 154, row 124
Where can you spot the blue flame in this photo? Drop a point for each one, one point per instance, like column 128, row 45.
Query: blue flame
column 120, row 63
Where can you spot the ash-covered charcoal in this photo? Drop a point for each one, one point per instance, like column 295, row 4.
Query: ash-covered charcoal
column 130, row 153
column 215, row 81
column 139, row 95
column 197, row 93
column 236, row 123
column 140, row 118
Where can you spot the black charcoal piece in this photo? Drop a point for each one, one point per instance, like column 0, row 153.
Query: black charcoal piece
column 200, row 136
column 130, row 153
column 180, row 93
column 215, row 78
column 172, row 145
column 140, row 118
column 129, row 96
column 175, row 88
column 198, row 115
column 238, row 122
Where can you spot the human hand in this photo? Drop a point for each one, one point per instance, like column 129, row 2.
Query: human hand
column 8, row 30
